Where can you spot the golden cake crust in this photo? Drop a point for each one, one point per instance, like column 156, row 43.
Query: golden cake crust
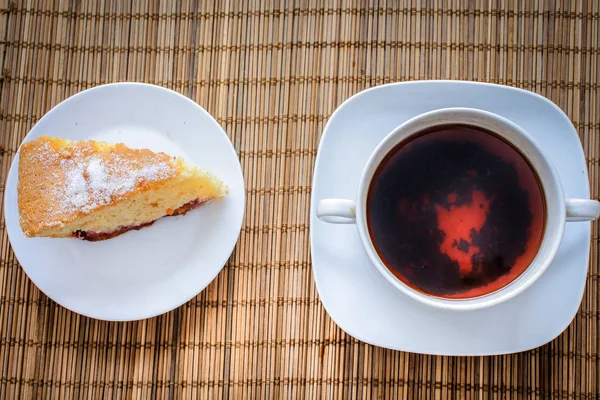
column 61, row 181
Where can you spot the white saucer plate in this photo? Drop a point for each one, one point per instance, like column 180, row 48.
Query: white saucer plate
column 368, row 307
column 142, row 273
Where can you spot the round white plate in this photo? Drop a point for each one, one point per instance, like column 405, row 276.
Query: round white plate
column 367, row 306
column 148, row 272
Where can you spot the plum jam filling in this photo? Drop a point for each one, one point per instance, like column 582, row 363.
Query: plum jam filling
column 92, row 236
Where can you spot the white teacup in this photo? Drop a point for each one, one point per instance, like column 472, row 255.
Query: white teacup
column 558, row 209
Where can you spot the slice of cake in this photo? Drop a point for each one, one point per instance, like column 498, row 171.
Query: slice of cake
column 95, row 190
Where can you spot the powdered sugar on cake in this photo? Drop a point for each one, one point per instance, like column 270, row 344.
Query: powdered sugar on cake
column 92, row 181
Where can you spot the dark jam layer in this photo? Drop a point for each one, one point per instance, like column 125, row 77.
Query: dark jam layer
column 92, row 236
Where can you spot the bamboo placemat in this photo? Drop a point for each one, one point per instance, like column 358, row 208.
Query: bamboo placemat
column 272, row 73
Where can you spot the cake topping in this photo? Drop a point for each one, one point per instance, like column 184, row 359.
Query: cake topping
column 92, row 180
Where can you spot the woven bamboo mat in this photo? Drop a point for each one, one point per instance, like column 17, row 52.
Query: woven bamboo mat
column 272, row 73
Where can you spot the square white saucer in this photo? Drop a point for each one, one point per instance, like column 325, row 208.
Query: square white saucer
column 367, row 306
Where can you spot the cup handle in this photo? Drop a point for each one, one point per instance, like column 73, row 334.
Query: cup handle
column 337, row 211
column 582, row 210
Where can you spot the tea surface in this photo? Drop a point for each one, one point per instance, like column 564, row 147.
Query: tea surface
column 456, row 212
